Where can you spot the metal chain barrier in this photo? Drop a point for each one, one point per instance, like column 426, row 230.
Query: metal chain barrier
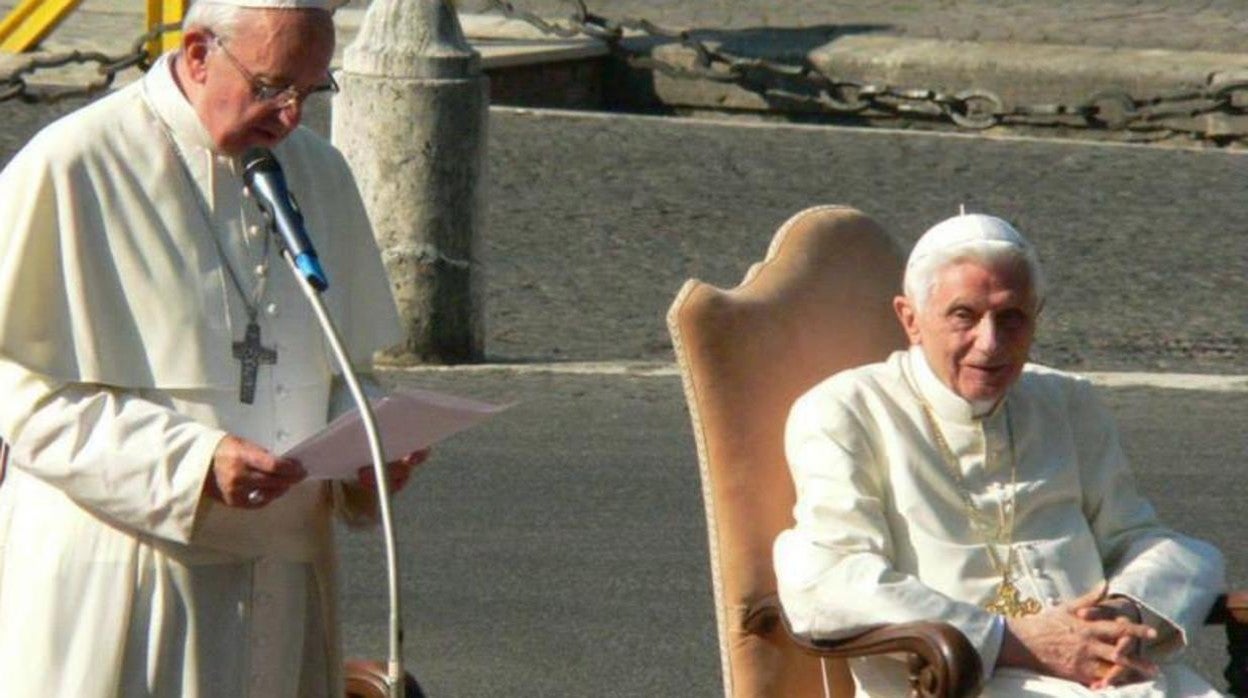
column 17, row 84
column 806, row 86
column 800, row 85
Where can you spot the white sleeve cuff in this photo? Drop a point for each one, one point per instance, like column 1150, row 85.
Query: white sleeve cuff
column 992, row 646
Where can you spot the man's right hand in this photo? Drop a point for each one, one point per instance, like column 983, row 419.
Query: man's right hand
column 1059, row 642
column 241, row 468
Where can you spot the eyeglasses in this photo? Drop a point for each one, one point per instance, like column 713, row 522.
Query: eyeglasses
column 278, row 95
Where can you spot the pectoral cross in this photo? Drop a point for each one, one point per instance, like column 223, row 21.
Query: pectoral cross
column 251, row 353
column 1009, row 601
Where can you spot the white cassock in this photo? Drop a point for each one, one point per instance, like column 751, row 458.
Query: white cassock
column 883, row 534
column 117, row 320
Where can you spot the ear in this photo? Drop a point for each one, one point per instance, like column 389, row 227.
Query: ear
column 196, row 44
column 908, row 316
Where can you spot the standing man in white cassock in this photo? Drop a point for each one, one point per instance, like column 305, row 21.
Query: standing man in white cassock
column 957, row 482
column 151, row 542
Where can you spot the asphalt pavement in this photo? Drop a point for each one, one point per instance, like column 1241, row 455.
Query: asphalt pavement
column 601, row 218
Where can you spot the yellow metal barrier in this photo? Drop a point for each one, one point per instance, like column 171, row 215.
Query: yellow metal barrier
column 165, row 12
column 31, row 21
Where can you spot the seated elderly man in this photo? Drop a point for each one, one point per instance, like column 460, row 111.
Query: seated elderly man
column 956, row 482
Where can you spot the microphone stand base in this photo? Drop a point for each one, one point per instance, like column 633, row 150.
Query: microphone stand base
column 369, row 679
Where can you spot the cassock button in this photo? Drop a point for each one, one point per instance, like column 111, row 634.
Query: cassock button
column 253, row 231
column 261, row 270
column 271, row 309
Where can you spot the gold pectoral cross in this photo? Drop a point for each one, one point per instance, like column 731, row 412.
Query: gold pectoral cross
column 1008, row 601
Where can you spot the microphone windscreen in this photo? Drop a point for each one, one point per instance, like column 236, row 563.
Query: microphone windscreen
column 258, row 161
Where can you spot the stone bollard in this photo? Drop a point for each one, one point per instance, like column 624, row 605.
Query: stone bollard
column 411, row 120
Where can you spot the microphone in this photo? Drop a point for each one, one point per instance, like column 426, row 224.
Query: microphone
column 264, row 179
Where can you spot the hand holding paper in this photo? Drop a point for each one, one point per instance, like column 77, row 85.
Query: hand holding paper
column 407, row 421
column 398, row 470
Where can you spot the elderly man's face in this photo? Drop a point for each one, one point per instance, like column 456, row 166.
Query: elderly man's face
column 976, row 327
column 270, row 50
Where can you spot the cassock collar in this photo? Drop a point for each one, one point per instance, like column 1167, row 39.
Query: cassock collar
column 173, row 108
column 943, row 401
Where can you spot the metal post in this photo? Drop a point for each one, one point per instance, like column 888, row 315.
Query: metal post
column 411, row 120
column 165, row 12
column 31, row 21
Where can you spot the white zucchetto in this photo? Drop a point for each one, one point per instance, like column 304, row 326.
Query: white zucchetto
column 961, row 230
column 329, row 5
column 972, row 235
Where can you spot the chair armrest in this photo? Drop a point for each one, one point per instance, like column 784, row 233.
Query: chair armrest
column 942, row 662
column 1231, row 610
column 1231, row 607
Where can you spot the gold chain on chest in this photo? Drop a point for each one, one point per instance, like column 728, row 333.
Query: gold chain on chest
column 1008, row 599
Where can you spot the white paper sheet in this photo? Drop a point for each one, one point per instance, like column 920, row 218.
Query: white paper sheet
column 407, row 421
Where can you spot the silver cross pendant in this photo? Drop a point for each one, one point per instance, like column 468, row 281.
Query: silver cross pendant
column 250, row 354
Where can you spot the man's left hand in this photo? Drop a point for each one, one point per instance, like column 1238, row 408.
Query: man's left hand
column 1114, row 608
column 397, row 471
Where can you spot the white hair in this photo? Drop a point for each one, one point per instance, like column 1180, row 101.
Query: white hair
column 920, row 277
column 219, row 18
column 226, row 19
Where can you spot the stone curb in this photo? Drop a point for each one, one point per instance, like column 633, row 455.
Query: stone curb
column 1020, row 72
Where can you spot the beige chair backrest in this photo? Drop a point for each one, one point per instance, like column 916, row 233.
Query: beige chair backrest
column 820, row 302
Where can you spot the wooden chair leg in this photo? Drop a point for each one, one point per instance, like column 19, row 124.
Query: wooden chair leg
column 1231, row 610
column 367, row 679
column 1237, row 648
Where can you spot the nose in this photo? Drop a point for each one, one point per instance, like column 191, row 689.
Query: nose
column 987, row 335
column 290, row 114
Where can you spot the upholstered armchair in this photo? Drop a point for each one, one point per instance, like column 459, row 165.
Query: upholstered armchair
column 820, row 302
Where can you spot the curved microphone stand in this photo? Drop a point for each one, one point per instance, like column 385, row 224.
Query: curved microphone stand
column 395, row 664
